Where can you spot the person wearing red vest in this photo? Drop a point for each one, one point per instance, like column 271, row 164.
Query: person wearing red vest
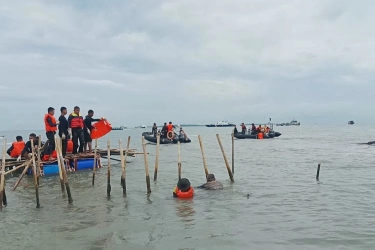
column 170, row 127
column 51, row 128
column 15, row 150
column 75, row 125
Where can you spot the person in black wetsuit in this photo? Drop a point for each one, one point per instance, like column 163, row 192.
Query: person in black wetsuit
column 63, row 130
column 88, row 128
column 235, row 131
column 164, row 131
column 154, row 130
column 27, row 150
column 253, row 129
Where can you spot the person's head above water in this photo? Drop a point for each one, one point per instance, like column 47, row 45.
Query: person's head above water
column 183, row 185
column 211, row 177
column 51, row 111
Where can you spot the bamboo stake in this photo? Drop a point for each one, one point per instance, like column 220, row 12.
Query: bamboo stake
column 109, row 169
column 179, row 159
column 22, row 175
column 16, row 168
column 95, row 162
column 318, row 172
column 2, row 176
column 62, row 167
column 225, row 158
column 233, row 153
column 146, row 165
column 203, row 155
column 157, row 157
column 35, row 176
column 39, row 160
column 123, row 165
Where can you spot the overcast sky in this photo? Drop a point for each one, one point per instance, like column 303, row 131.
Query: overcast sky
column 188, row 61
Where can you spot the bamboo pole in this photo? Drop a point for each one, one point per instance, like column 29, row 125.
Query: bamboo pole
column 22, row 175
column 109, row 169
column 95, row 162
column 225, row 158
column 16, row 168
column 39, row 160
column 233, row 153
column 157, row 157
column 318, row 172
column 179, row 160
column 62, row 167
column 123, row 165
column 35, row 176
column 2, row 175
column 146, row 165
column 203, row 155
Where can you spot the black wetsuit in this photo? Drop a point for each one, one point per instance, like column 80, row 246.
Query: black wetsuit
column 155, row 130
column 88, row 125
column 63, row 129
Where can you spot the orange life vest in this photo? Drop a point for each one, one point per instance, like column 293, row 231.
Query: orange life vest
column 17, row 149
column 53, row 155
column 170, row 127
column 76, row 121
column 69, row 148
column 184, row 195
column 49, row 128
column 260, row 135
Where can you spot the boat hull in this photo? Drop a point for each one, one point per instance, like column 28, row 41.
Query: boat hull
column 219, row 126
column 53, row 168
column 151, row 138
column 251, row 136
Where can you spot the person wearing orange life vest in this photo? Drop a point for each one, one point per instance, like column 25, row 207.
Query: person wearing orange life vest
column 170, row 128
column 51, row 128
column 183, row 189
column 75, row 129
column 15, row 150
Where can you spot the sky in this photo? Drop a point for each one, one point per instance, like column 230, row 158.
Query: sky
column 188, row 61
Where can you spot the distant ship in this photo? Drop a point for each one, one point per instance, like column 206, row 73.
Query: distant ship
column 221, row 124
column 351, row 122
column 142, row 126
column 292, row 123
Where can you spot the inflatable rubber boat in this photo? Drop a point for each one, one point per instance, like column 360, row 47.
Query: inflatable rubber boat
column 252, row 136
column 149, row 136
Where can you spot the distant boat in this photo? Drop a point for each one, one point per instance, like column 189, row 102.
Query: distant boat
column 221, row 124
column 119, row 128
column 142, row 126
column 351, row 122
column 292, row 123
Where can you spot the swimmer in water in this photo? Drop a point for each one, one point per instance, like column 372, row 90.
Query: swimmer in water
column 183, row 189
column 212, row 183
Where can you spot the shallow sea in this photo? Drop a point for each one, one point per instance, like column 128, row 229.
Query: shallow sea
column 275, row 202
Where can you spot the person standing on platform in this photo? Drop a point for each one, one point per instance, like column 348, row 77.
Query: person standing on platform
column 51, row 128
column 63, row 130
column 88, row 128
column 75, row 129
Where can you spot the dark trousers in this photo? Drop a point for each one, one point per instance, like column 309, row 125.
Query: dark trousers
column 77, row 134
column 51, row 142
column 64, row 145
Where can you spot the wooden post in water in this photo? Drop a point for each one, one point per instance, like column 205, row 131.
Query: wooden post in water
column 109, row 169
column 95, row 162
column 317, row 172
column 157, row 157
column 203, row 155
column 22, row 175
column 233, row 153
column 179, row 159
column 2, row 176
column 35, row 176
column 123, row 182
column 62, row 167
column 146, row 165
column 39, row 158
column 123, row 175
column 225, row 158
column 61, row 175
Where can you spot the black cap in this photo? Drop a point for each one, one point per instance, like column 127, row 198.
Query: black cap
column 183, row 185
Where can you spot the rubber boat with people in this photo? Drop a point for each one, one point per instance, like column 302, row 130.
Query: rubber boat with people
column 149, row 136
column 269, row 135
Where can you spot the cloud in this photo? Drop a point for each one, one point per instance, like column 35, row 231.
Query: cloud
column 188, row 61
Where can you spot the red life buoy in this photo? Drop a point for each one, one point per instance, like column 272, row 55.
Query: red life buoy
column 170, row 135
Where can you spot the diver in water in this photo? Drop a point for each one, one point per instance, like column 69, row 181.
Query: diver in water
column 212, row 183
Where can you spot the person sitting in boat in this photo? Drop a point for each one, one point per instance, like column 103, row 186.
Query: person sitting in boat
column 182, row 135
column 154, row 130
column 267, row 130
column 183, row 189
column 170, row 128
column 212, row 183
column 15, row 150
column 253, row 129
column 243, row 128
column 235, row 131
column 27, row 150
column 259, row 128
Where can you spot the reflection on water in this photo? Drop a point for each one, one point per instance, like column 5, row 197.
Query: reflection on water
column 185, row 210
